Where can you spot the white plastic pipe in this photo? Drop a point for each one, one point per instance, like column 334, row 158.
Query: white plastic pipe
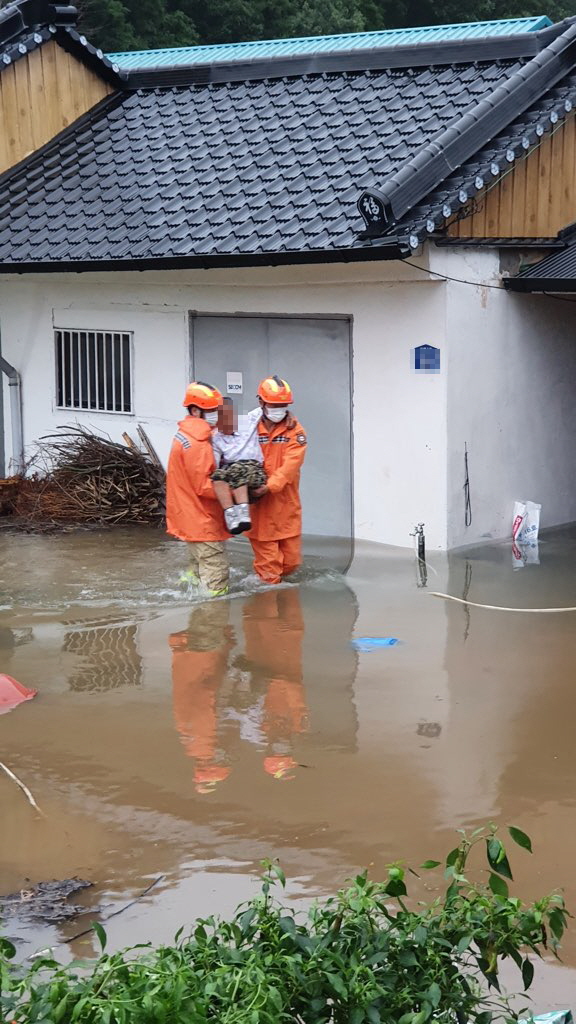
column 15, row 385
column 501, row 608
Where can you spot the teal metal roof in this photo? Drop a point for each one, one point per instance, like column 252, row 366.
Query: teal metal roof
column 270, row 48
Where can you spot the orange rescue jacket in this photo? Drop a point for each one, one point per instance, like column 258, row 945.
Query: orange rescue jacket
column 192, row 511
column 279, row 513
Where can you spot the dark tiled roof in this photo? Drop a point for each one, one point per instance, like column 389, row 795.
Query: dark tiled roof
column 265, row 163
column 242, row 168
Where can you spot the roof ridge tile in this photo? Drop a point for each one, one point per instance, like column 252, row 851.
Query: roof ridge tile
column 456, row 143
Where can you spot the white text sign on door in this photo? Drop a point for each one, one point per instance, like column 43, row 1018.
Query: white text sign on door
column 234, row 382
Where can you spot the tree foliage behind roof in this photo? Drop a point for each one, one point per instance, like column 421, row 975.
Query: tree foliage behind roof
column 116, row 25
column 125, row 25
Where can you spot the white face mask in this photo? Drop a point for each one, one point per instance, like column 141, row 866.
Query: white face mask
column 276, row 413
column 211, row 418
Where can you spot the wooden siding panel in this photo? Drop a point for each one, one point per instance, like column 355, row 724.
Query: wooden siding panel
column 49, row 85
column 506, row 195
column 544, row 186
column 479, row 217
column 491, row 211
column 534, row 200
column 519, row 198
column 568, row 189
column 454, row 227
column 72, row 79
column 531, row 211
column 556, row 193
column 11, row 128
column 35, row 81
column 40, row 95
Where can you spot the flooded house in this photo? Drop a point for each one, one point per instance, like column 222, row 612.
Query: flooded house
column 365, row 215
column 385, row 220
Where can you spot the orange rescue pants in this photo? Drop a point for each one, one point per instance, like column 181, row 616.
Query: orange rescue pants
column 274, row 559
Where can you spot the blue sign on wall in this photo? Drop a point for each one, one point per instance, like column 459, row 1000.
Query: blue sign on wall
column 426, row 359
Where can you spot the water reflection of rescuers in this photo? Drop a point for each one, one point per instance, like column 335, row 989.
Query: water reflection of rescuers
column 273, row 632
column 262, row 691
column 260, row 458
column 199, row 664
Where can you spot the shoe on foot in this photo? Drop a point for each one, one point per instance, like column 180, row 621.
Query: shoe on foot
column 190, row 578
column 231, row 520
column 219, row 593
column 243, row 517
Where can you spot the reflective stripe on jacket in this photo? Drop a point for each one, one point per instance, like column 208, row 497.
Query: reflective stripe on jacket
column 192, row 511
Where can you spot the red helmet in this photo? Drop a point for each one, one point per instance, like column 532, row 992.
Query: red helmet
column 275, row 391
column 205, row 396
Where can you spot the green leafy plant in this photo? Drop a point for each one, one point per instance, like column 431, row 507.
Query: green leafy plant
column 369, row 955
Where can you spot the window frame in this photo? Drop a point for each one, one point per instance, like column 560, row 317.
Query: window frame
column 58, row 332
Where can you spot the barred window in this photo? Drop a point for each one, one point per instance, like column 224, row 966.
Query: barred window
column 93, row 370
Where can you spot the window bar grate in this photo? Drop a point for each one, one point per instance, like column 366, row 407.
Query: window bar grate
column 121, row 372
column 93, row 370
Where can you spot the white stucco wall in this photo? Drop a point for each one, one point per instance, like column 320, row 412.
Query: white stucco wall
column 399, row 419
column 506, row 385
column 512, row 378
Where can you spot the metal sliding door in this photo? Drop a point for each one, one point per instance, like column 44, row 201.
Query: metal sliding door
column 313, row 355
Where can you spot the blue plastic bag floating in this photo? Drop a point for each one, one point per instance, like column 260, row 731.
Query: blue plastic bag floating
column 369, row 643
column 554, row 1017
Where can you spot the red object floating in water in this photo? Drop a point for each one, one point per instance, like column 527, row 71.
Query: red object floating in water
column 13, row 693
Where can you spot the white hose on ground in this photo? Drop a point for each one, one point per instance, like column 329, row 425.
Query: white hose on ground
column 24, row 789
column 500, row 608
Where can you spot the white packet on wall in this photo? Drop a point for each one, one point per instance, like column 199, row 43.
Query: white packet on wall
column 518, row 517
column 525, row 521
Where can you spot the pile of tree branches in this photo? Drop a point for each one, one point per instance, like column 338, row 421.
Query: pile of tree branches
column 84, row 478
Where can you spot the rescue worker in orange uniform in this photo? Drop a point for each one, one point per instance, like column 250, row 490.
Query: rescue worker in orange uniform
column 199, row 665
column 193, row 513
column 273, row 632
column 277, row 515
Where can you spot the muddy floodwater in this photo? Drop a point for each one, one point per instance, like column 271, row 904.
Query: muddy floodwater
column 175, row 742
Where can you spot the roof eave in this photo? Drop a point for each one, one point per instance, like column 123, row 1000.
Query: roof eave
column 78, row 46
column 540, row 284
column 393, row 249
column 71, row 41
